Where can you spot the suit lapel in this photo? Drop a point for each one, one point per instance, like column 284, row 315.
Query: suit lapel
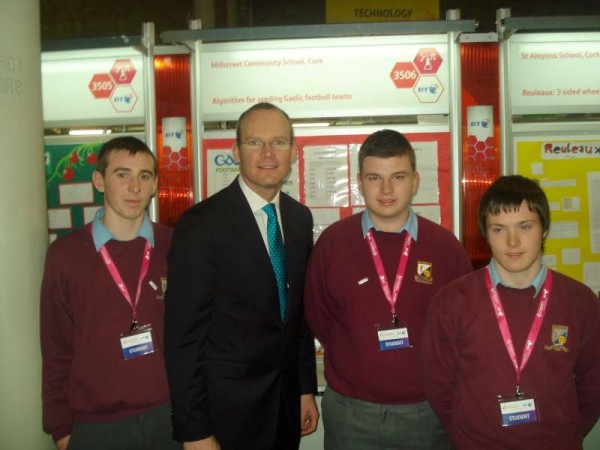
column 247, row 229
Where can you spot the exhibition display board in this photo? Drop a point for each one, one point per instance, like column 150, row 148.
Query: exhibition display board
column 324, row 177
column 568, row 168
column 323, row 74
column 551, row 94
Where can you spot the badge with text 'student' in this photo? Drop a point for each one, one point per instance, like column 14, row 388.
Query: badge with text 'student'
column 393, row 338
column 560, row 333
column 424, row 272
column 518, row 411
column 137, row 342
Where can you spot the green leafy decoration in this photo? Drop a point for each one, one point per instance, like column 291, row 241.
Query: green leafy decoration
column 79, row 157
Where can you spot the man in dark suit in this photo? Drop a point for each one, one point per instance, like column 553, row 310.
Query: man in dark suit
column 240, row 358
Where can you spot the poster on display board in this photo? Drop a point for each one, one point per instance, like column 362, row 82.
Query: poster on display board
column 324, row 178
column 335, row 77
column 568, row 169
column 554, row 73
column 71, row 197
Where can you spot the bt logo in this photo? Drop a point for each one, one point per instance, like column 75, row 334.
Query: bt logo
column 432, row 89
column 482, row 123
column 225, row 160
column 176, row 134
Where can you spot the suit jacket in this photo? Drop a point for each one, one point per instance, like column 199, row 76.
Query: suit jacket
column 234, row 366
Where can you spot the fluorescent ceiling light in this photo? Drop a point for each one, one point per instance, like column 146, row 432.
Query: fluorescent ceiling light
column 90, row 132
column 310, row 124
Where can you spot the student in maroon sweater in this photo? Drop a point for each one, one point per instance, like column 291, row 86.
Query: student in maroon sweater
column 104, row 380
column 372, row 333
column 510, row 354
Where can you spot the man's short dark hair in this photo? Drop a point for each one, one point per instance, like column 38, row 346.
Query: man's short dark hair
column 257, row 107
column 124, row 143
column 386, row 144
column 507, row 193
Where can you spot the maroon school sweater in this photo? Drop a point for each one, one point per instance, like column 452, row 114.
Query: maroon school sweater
column 466, row 364
column 83, row 314
column 344, row 302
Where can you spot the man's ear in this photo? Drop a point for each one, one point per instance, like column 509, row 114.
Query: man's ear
column 235, row 150
column 98, row 181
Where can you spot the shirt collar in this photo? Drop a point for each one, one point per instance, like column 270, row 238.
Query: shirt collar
column 101, row 235
column 255, row 201
column 537, row 282
column 411, row 225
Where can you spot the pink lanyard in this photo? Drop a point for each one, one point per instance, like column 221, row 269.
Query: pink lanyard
column 116, row 276
column 536, row 325
column 391, row 297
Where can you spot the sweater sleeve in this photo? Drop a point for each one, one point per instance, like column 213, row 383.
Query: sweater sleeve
column 57, row 332
column 439, row 359
column 318, row 303
column 587, row 366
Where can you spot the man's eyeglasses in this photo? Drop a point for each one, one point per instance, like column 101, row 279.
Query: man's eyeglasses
column 275, row 144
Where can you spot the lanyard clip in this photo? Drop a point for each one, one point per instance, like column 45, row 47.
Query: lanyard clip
column 394, row 319
column 518, row 392
column 134, row 325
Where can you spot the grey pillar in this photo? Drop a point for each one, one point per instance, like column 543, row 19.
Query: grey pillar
column 23, row 225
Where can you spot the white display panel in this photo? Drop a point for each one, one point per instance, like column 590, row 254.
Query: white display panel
column 553, row 73
column 99, row 87
column 391, row 75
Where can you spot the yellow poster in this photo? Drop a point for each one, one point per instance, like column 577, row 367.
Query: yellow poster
column 568, row 169
column 350, row 11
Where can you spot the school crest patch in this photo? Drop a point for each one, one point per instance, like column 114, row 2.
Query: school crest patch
column 424, row 272
column 560, row 334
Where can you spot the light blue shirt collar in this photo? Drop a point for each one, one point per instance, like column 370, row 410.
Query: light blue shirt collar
column 537, row 282
column 411, row 225
column 101, row 235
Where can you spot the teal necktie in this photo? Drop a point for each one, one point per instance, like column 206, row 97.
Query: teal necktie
column 277, row 254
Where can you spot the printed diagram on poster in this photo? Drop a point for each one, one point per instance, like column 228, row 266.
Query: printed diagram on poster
column 568, row 169
column 326, row 176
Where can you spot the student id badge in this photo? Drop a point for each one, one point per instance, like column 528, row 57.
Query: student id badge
column 518, row 410
column 393, row 338
column 137, row 342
